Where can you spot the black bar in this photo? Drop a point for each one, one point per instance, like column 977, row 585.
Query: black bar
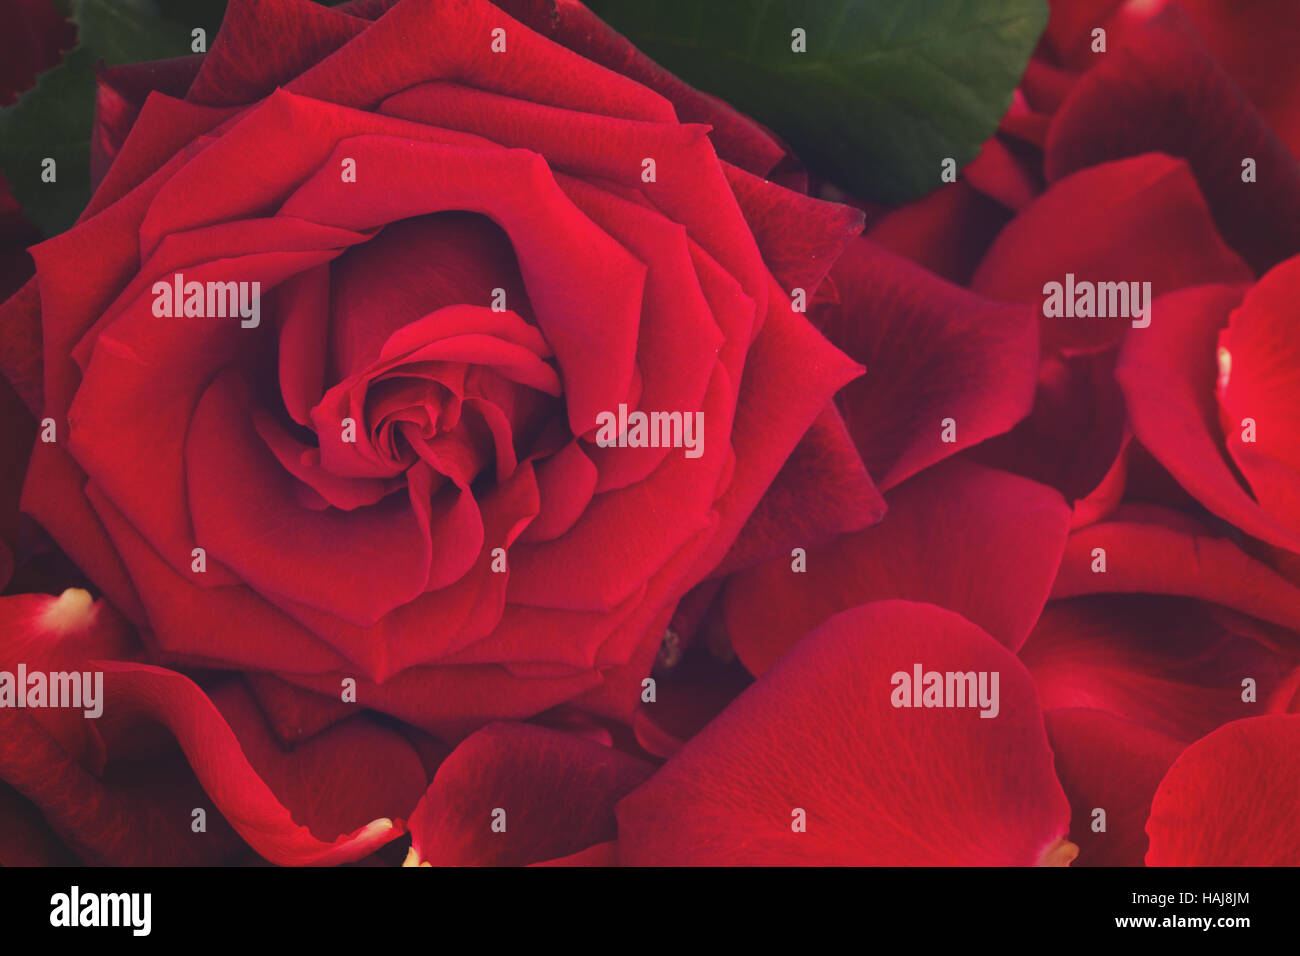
column 384, row 906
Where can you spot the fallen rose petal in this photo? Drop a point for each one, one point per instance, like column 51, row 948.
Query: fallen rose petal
column 1073, row 436
column 214, row 753
column 1259, row 392
column 1109, row 768
column 1167, row 375
column 25, row 838
column 1251, row 41
column 1165, row 237
column 1153, row 550
column 878, row 785
column 44, row 633
column 979, row 542
column 1230, row 799
column 602, row 854
column 1162, row 663
column 823, row 490
column 514, row 794
column 947, row 231
column 933, row 352
column 1163, row 92
column 335, row 781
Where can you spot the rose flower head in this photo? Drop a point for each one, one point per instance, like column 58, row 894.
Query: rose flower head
column 426, row 352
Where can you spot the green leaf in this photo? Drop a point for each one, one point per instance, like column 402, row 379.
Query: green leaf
column 128, row 31
column 50, row 120
column 885, row 92
column 55, row 117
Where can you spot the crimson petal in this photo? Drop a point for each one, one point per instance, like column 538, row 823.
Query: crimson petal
column 1230, row 799
column 552, row 793
column 979, row 542
column 879, row 785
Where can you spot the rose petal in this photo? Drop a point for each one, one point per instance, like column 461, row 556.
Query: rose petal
column 1112, row 765
column 242, row 66
column 800, row 237
column 1230, row 799
column 1263, row 384
column 336, row 781
column 554, row 794
column 453, row 702
column 121, row 93
column 1167, row 375
column 980, row 542
column 55, row 495
column 574, row 271
column 690, row 187
column 1167, row 238
column 602, row 854
column 1000, row 174
column 115, row 826
column 1074, row 434
column 823, row 490
column 1163, row 92
column 20, row 344
column 947, row 231
column 25, row 838
column 292, row 713
column 1252, row 42
column 233, row 626
column 932, row 352
column 132, row 374
column 171, row 131
column 880, row 786
column 1164, row 664
column 407, row 46
column 770, row 419
column 1155, row 551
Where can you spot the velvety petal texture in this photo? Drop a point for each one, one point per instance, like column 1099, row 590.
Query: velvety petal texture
column 1259, row 392
column 514, row 794
column 813, row 764
column 1109, row 768
column 1163, row 91
column 944, row 369
column 994, row 527
column 1167, row 238
column 1168, row 380
column 1230, row 799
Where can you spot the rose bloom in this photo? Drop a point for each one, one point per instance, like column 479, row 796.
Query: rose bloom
column 469, row 239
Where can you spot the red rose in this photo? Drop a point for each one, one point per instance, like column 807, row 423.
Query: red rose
column 331, row 357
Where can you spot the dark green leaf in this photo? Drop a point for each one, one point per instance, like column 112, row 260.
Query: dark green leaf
column 51, row 120
column 54, row 118
column 885, row 92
